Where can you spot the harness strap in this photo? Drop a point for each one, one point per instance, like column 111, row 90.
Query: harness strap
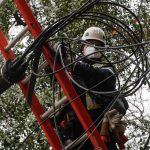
column 90, row 103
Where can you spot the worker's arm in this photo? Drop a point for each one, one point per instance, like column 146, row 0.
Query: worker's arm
column 11, row 74
column 83, row 70
column 92, row 76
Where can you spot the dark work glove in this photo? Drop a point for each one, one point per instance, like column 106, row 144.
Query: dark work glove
column 11, row 73
column 59, row 46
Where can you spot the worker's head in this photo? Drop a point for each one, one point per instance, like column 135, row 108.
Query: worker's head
column 96, row 37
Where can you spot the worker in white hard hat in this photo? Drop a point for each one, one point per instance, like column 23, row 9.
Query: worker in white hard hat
column 100, row 79
column 95, row 33
column 95, row 36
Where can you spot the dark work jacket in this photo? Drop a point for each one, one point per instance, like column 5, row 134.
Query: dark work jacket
column 88, row 76
column 93, row 75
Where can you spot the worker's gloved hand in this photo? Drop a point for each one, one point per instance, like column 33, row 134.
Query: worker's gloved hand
column 60, row 46
column 59, row 49
column 11, row 73
column 114, row 118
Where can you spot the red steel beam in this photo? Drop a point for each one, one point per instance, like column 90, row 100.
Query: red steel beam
column 36, row 106
column 62, row 78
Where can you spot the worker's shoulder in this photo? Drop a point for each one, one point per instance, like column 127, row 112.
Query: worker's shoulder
column 103, row 68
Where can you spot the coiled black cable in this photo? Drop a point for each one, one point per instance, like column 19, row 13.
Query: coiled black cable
column 138, row 53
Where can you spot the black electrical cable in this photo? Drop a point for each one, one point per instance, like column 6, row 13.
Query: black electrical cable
column 147, row 71
column 125, row 55
column 103, row 49
column 33, row 77
column 96, row 92
column 53, row 101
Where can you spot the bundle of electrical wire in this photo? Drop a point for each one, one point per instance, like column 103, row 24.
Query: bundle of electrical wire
column 131, row 57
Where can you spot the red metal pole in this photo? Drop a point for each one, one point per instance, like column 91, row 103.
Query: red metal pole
column 62, row 77
column 36, row 107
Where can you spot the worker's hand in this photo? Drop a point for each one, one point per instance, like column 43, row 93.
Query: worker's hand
column 11, row 73
column 114, row 118
column 121, row 127
column 59, row 48
column 60, row 51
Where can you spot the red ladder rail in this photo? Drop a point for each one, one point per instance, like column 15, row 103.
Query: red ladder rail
column 36, row 107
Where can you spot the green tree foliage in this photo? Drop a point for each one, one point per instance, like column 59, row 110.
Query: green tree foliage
column 16, row 118
column 6, row 14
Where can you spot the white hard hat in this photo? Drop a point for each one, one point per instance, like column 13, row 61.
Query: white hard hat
column 94, row 33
